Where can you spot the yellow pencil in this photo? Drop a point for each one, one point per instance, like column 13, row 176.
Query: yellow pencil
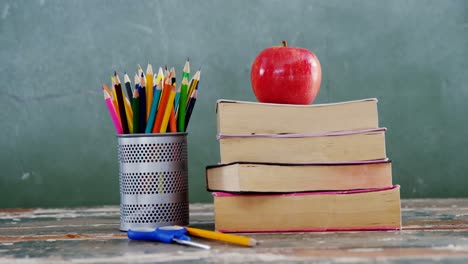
column 193, row 84
column 169, row 107
column 160, row 76
column 149, row 89
column 129, row 114
column 233, row 239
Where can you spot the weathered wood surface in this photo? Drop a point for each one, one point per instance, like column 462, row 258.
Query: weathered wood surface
column 433, row 231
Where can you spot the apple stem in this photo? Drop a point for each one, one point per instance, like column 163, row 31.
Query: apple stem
column 285, row 43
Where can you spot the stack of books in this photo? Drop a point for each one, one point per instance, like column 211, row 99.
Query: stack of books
column 302, row 168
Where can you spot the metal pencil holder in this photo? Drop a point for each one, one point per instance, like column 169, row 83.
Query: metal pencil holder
column 153, row 177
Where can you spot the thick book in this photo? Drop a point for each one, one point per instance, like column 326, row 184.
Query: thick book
column 277, row 177
column 304, row 148
column 371, row 209
column 240, row 117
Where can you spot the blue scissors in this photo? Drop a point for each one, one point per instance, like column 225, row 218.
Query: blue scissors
column 165, row 234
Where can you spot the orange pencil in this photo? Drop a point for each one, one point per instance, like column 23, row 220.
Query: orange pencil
column 162, row 106
column 168, row 110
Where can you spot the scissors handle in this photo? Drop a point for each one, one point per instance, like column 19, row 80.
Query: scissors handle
column 166, row 234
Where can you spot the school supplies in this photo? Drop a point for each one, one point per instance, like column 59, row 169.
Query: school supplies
column 158, row 123
column 193, row 84
column 190, row 106
column 182, row 107
column 159, row 106
column 120, row 101
column 136, row 111
column 302, row 168
column 154, row 108
column 113, row 113
column 166, row 234
column 128, row 85
column 228, row 238
column 149, row 90
column 169, row 108
column 142, row 107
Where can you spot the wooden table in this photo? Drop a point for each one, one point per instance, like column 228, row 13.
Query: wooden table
column 433, row 231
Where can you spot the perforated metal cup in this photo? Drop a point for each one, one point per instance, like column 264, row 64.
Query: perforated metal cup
column 153, row 175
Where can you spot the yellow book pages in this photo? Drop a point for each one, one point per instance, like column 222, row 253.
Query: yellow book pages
column 271, row 177
column 320, row 211
column 339, row 147
column 239, row 117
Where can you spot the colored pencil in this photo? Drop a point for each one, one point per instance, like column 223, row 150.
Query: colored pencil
column 139, row 70
column 113, row 95
column 173, row 76
column 182, row 107
column 218, row 236
column 149, row 89
column 160, row 76
column 193, row 84
column 128, row 86
column 136, row 110
column 169, row 108
column 112, row 112
column 186, row 70
column 190, row 106
column 128, row 105
column 142, row 106
column 185, row 74
column 114, row 101
column 120, row 101
column 172, row 121
column 154, row 108
column 162, row 107
column 166, row 72
column 129, row 114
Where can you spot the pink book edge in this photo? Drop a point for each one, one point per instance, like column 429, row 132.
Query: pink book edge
column 378, row 228
column 224, row 194
column 329, row 134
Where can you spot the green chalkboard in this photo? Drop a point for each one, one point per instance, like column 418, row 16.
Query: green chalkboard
column 58, row 146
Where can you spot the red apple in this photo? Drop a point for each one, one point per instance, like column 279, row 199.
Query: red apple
column 286, row 75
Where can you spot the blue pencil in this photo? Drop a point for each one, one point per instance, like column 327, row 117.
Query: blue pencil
column 154, row 108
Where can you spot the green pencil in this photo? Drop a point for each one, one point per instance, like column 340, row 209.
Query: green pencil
column 182, row 106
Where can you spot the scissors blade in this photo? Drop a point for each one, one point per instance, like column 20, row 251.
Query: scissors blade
column 190, row 243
